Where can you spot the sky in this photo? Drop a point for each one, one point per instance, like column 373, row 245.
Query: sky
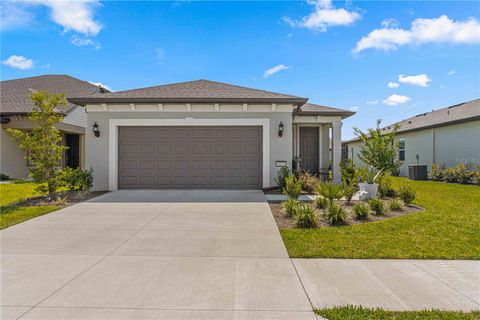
column 385, row 60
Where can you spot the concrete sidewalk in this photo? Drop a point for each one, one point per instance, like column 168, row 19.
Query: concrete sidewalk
column 199, row 255
column 392, row 284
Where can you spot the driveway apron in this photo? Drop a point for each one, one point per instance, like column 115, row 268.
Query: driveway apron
column 152, row 254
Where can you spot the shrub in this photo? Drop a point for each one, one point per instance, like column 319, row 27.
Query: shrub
column 476, row 176
column 462, row 173
column 306, row 217
column 282, row 175
column 336, row 214
column 321, row 202
column 395, row 205
column 407, row 194
column 291, row 206
column 377, row 206
column 349, row 191
column 330, row 191
column 293, row 187
column 437, row 172
column 4, row 177
column 76, row 179
column 349, row 173
column 309, row 182
column 361, row 211
column 368, row 175
column 385, row 188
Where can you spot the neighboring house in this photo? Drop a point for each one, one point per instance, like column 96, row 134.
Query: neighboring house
column 447, row 136
column 205, row 134
column 15, row 106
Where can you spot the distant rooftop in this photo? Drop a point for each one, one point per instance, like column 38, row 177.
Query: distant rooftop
column 466, row 111
column 15, row 94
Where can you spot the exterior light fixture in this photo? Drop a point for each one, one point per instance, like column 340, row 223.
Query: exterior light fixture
column 96, row 131
column 280, row 129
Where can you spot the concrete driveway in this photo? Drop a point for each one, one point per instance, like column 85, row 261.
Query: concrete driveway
column 152, row 254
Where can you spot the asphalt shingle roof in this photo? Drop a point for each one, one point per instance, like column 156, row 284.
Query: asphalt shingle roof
column 192, row 91
column 15, row 94
column 454, row 114
column 316, row 109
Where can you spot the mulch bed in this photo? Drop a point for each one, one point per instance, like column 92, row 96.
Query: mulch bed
column 284, row 222
column 65, row 199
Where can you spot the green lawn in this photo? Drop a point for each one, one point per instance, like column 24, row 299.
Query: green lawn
column 10, row 213
column 448, row 229
column 359, row 313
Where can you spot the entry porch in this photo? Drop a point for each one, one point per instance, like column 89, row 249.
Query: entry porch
column 317, row 143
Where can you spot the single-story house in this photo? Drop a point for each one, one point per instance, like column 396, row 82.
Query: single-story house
column 205, row 134
column 446, row 136
column 15, row 106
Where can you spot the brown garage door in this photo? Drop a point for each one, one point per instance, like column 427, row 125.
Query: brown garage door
column 190, row 157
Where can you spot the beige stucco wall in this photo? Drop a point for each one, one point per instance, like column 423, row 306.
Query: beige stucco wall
column 447, row 145
column 12, row 161
column 97, row 149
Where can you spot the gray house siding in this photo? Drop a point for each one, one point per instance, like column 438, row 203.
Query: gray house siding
column 97, row 149
column 448, row 145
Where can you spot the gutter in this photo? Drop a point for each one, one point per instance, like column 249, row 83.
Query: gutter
column 86, row 100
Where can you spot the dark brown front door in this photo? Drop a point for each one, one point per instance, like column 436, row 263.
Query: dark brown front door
column 72, row 154
column 190, row 157
column 309, row 149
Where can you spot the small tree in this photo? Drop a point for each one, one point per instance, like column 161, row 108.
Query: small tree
column 43, row 143
column 379, row 149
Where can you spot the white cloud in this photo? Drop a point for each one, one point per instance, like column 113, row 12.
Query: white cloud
column 393, row 85
column 323, row 16
column 83, row 42
column 76, row 16
column 99, row 84
column 14, row 14
column 372, row 102
column 452, row 72
column 396, row 99
column 274, row 70
column 18, row 62
column 354, row 109
column 422, row 31
column 421, row 80
column 390, row 23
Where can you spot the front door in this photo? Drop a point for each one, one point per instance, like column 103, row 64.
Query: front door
column 72, row 155
column 309, row 149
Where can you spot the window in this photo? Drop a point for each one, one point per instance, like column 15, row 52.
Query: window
column 401, row 149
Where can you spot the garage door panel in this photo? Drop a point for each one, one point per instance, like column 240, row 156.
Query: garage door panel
column 164, row 133
column 190, row 157
column 146, row 148
column 165, row 148
column 164, row 164
column 217, row 149
column 182, row 148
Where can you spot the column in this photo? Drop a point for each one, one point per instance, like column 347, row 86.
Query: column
column 336, row 151
column 324, row 146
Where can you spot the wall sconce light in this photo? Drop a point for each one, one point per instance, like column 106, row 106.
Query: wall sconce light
column 280, row 129
column 96, row 131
